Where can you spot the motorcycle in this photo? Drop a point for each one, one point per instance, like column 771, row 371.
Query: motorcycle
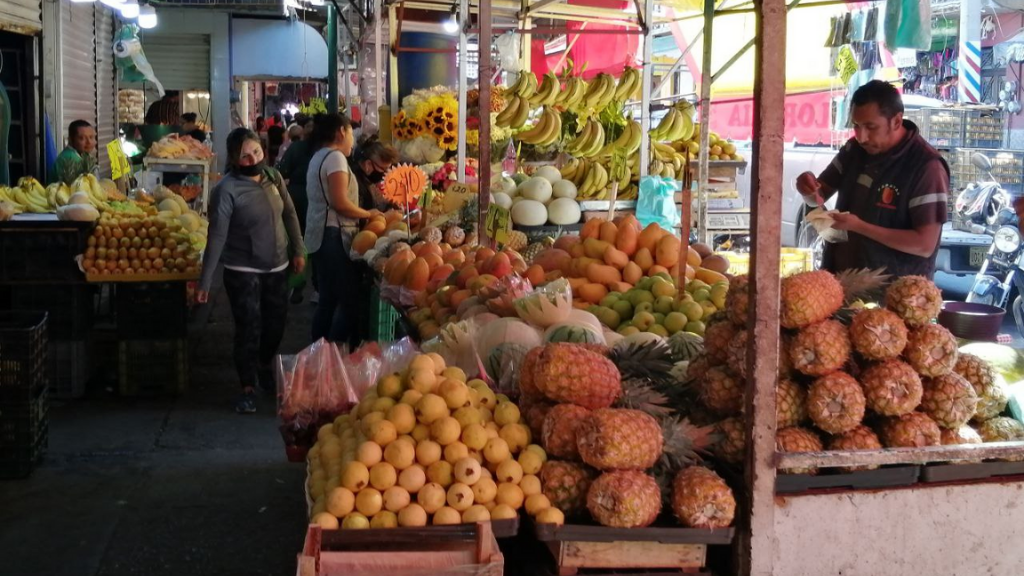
column 986, row 208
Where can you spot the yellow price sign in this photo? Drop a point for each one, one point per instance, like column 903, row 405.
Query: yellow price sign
column 499, row 223
column 846, row 64
column 458, row 188
column 120, row 166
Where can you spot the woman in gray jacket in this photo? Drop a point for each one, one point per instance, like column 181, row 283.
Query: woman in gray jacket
column 254, row 233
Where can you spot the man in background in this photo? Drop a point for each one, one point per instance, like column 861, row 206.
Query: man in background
column 77, row 157
column 190, row 127
column 166, row 110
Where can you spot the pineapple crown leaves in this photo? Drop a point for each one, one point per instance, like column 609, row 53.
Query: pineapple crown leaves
column 648, row 360
column 862, row 284
column 685, row 443
column 638, row 394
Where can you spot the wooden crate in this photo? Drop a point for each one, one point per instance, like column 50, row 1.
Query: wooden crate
column 461, row 550
column 587, row 549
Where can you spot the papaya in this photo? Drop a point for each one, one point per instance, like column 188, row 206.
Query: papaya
column 691, row 273
column 632, row 273
column 667, row 253
column 553, row 259
column 577, row 251
column 483, row 254
column 626, row 241
column 535, row 274
column 417, row 274
column 595, row 248
column 649, row 237
column 619, row 286
column 433, row 260
column 363, row 241
column 592, row 229
column 458, row 297
column 709, row 276
column 656, row 269
column 644, row 259
column 629, row 221
column 442, row 272
column 592, row 292
column 716, row 262
column 576, row 283
column 603, row 274
column 609, row 231
column 692, row 257
column 567, row 241
column 582, row 264
column 454, row 257
column 615, row 257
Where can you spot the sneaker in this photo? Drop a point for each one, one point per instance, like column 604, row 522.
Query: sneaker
column 314, row 298
column 246, row 404
column 296, row 296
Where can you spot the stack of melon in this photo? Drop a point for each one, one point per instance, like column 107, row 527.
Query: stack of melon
column 544, row 198
column 614, row 256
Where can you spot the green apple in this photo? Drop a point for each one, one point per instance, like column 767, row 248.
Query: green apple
column 643, row 307
column 643, row 320
column 709, row 308
column 662, row 288
column 675, row 321
column 664, row 304
column 695, row 327
column 658, row 329
column 645, row 283
column 641, row 296
column 628, row 330
column 609, row 301
column 693, row 310
column 624, row 308
column 659, row 318
column 701, row 294
column 609, row 317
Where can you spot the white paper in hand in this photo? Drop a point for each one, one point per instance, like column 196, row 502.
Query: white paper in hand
column 822, row 222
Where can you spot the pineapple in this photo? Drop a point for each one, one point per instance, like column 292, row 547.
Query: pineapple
column 534, row 413
column 878, row 334
column 717, row 337
column 624, row 499
column 561, row 425
column 859, row 438
column 570, row 373
column 620, row 439
column 722, row 391
column 913, row 430
column 698, row 369
column 992, row 401
column 962, row 435
column 987, row 384
column 531, row 251
column 891, row 388
column 820, row 349
column 809, row 297
column 701, row 499
column 736, row 353
column 836, row 403
column 517, row 240
column 950, row 400
column 1001, row 429
column 732, row 442
column 915, row 298
column 454, row 235
column 931, row 350
column 431, row 234
column 797, row 439
column 791, row 403
column 650, row 361
column 737, row 300
column 566, row 484
column 526, row 385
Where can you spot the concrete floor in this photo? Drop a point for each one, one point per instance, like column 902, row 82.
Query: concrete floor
column 177, row 486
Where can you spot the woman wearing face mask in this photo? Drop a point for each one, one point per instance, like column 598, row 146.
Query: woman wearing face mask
column 254, row 233
column 372, row 159
column 331, row 222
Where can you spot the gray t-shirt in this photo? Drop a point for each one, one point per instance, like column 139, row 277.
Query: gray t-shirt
column 320, row 215
column 253, row 226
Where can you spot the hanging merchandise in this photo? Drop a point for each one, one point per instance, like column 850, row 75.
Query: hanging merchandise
column 871, row 25
column 908, row 24
column 508, row 46
column 131, row 60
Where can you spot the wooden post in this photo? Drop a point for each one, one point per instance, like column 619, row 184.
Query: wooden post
column 484, row 170
column 763, row 325
column 704, row 154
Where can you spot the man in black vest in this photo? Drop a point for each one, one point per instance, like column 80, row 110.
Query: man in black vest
column 892, row 185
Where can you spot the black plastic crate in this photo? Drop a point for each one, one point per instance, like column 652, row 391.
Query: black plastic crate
column 24, row 435
column 151, row 310
column 41, row 252
column 69, row 307
column 23, row 351
column 153, row 367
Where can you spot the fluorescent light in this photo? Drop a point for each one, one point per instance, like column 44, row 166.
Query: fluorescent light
column 147, row 16
column 113, row 3
column 82, row 1
column 317, row 2
column 451, row 25
column 130, row 9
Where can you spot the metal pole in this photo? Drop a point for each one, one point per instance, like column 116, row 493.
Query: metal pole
column 378, row 64
column 526, row 42
column 704, row 157
column 394, row 37
column 647, row 74
column 484, row 74
column 464, row 21
column 332, row 58
column 757, row 544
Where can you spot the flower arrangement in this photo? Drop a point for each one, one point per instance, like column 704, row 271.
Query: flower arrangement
column 433, row 112
column 447, row 174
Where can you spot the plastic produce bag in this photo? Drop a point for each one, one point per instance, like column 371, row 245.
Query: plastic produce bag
column 657, row 202
column 509, row 52
column 397, row 355
column 550, row 304
column 364, row 367
column 822, row 222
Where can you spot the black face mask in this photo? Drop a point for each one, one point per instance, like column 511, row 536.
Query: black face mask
column 250, row 171
column 375, row 177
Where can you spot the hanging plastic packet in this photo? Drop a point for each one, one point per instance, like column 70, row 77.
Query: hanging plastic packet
column 509, row 52
column 657, row 202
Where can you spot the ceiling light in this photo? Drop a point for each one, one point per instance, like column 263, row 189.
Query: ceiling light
column 113, row 3
column 147, row 16
column 130, row 9
column 451, row 25
column 82, row 1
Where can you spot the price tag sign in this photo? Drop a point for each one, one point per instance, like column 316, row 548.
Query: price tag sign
column 846, row 64
column 119, row 164
column 499, row 223
column 458, row 188
column 508, row 164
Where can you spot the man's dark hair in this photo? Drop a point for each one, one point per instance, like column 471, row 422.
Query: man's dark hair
column 74, row 126
column 879, row 92
column 189, row 116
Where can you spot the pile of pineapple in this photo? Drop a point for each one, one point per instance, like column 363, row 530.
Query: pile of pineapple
column 425, row 446
column 854, row 377
column 616, row 450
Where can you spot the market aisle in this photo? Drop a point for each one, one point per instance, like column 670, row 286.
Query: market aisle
column 162, row 487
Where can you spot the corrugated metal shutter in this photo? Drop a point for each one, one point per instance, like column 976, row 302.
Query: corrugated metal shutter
column 21, row 16
column 106, row 85
column 180, row 61
column 78, row 64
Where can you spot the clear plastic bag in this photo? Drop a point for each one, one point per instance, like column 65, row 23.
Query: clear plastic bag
column 822, row 221
column 502, row 295
column 509, row 52
column 657, row 202
column 397, row 355
column 364, row 367
column 546, row 305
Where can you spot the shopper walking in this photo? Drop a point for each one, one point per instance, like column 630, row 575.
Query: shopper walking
column 254, row 233
column 331, row 223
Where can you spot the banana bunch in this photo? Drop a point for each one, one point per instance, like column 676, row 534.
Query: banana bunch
column 28, row 196
column 588, row 142
column 58, row 194
column 629, row 140
column 90, row 186
column 674, row 126
column 548, row 91
column 593, row 178
column 572, row 95
column 600, row 92
column 668, row 155
column 524, row 86
column 628, row 83
column 515, row 113
column 546, row 131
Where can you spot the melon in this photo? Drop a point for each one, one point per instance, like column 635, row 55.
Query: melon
column 536, row 188
column 505, row 361
column 529, row 213
column 549, row 173
column 563, row 211
column 584, row 318
column 564, row 189
column 510, row 330
column 79, row 198
column 574, row 334
column 502, row 199
column 78, row 213
column 638, row 338
column 545, row 309
column 506, row 186
column 685, row 346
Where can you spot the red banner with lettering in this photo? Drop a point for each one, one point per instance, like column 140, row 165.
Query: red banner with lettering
column 808, row 118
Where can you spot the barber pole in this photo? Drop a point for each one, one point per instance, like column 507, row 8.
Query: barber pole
column 970, row 72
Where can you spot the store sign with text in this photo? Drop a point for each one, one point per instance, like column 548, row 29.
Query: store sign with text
column 808, row 118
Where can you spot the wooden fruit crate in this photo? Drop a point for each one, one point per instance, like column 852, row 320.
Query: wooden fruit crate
column 589, row 549
column 462, row 550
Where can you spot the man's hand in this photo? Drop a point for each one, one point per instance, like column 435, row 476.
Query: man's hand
column 298, row 264
column 807, row 184
column 846, row 221
column 202, row 296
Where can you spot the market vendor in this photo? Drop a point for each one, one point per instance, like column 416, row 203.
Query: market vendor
column 371, row 160
column 77, row 157
column 892, row 190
